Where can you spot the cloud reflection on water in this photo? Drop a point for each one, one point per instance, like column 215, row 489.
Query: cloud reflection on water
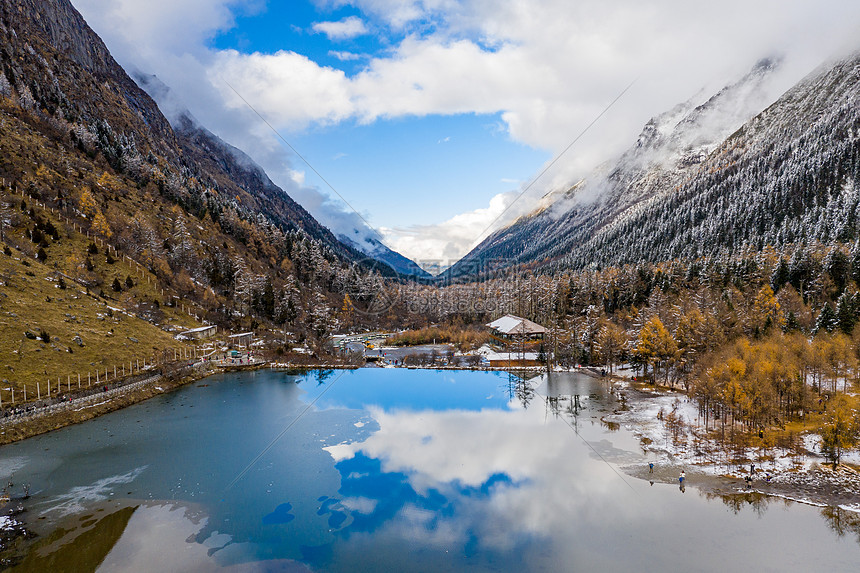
column 459, row 477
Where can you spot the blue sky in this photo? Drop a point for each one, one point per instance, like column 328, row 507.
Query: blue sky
column 418, row 170
column 289, row 26
column 395, row 172
column 431, row 116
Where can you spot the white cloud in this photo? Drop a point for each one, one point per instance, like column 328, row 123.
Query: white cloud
column 267, row 82
column 548, row 68
column 345, row 29
column 346, row 56
column 400, row 13
column 441, row 245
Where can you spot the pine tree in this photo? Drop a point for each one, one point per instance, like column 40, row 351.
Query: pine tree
column 5, row 87
column 837, row 265
column 855, row 262
column 779, row 276
column 846, row 312
column 826, row 321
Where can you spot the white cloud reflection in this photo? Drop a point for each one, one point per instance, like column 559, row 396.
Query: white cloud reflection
column 458, row 452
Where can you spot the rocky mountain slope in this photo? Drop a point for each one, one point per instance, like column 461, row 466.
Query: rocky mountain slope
column 708, row 179
column 203, row 224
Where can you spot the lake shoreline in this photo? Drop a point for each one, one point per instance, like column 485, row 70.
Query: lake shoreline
column 817, row 485
column 333, row 434
column 43, row 422
column 810, row 480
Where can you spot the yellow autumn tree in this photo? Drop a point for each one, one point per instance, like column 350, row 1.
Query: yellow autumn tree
column 839, row 427
column 611, row 341
column 765, row 311
column 87, row 203
column 44, row 174
column 347, row 311
column 100, row 225
column 656, row 346
column 109, row 182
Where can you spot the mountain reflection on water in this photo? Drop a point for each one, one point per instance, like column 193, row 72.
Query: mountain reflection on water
column 389, row 470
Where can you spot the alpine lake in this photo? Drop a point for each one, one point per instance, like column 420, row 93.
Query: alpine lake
column 384, row 469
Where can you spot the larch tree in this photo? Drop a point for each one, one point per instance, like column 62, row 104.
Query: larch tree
column 611, row 342
column 101, row 226
column 88, row 204
column 656, row 345
column 839, row 428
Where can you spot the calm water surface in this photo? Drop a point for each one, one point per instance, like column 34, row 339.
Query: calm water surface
column 386, row 470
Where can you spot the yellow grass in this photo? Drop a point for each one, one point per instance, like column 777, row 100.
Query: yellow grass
column 31, row 301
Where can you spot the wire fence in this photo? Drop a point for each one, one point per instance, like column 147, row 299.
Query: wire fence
column 97, row 395
column 188, row 307
column 49, row 391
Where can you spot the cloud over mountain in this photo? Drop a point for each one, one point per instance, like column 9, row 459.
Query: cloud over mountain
column 547, row 69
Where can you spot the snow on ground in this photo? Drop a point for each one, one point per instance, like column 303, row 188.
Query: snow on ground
column 7, row 523
column 643, row 419
column 801, row 477
column 852, row 457
column 688, row 445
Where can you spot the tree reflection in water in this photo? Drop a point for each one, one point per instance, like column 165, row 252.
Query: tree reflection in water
column 520, row 387
column 842, row 521
column 756, row 501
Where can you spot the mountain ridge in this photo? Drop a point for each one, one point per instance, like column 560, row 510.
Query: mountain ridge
column 194, row 136
column 571, row 233
column 197, row 219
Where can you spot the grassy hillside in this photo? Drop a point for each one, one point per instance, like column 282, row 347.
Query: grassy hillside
column 60, row 316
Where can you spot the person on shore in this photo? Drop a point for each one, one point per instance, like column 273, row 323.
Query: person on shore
column 682, row 477
column 651, row 468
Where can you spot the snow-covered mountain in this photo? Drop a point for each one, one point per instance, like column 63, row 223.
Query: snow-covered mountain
column 730, row 173
column 379, row 252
